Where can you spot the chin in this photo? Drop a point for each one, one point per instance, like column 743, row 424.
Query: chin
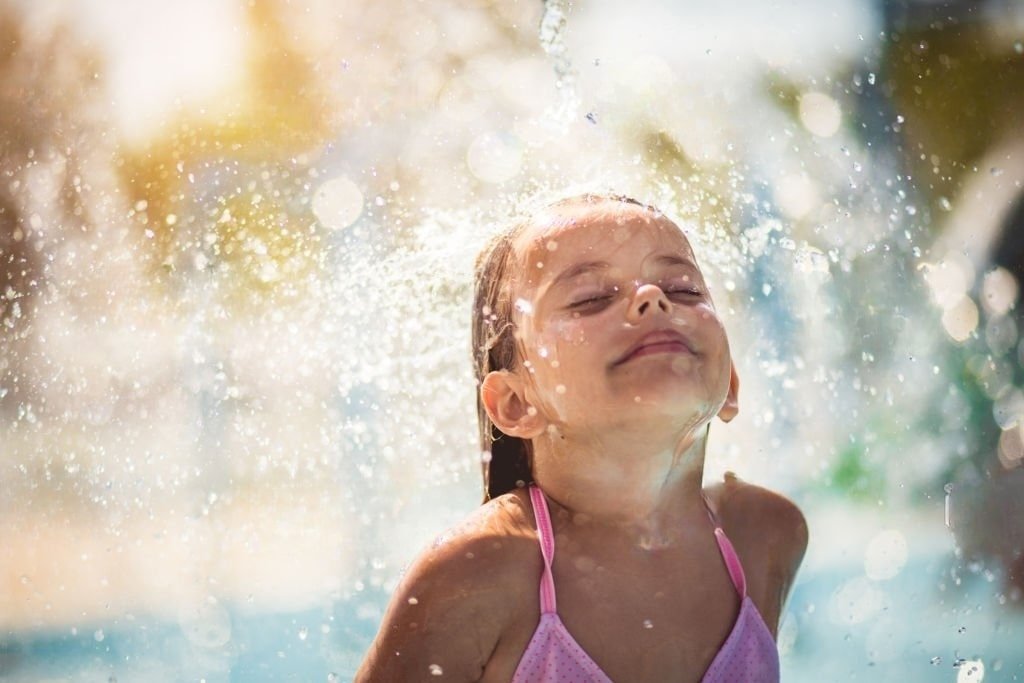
column 663, row 404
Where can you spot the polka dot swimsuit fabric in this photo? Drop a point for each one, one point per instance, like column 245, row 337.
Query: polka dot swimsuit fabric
column 748, row 655
column 553, row 655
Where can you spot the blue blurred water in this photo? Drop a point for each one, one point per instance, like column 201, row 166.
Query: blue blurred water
column 920, row 631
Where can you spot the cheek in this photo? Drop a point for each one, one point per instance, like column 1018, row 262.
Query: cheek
column 559, row 362
column 566, row 331
column 558, row 339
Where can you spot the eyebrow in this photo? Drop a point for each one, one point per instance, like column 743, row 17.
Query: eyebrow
column 579, row 269
column 593, row 266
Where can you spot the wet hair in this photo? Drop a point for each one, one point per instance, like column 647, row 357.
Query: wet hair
column 510, row 464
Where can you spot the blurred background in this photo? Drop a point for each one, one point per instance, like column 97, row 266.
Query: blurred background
column 236, row 241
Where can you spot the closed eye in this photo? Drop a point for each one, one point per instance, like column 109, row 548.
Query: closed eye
column 591, row 302
column 684, row 292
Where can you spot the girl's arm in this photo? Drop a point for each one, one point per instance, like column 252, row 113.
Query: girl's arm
column 444, row 619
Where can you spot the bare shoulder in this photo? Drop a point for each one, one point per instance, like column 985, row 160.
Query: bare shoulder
column 763, row 519
column 457, row 597
column 770, row 534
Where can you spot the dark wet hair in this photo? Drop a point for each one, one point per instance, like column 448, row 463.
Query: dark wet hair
column 510, row 465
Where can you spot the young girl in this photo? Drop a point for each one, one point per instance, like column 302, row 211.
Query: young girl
column 598, row 555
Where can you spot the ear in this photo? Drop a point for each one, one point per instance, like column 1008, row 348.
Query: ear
column 504, row 397
column 732, row 400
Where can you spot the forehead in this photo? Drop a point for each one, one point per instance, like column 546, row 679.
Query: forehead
column 584, row 231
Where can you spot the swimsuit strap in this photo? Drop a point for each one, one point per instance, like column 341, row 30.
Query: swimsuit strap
column 547, row 548
column 732, row 560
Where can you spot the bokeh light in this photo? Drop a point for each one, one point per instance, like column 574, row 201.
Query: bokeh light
column 236, row 252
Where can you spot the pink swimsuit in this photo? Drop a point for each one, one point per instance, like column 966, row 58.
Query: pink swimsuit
column 748, row 655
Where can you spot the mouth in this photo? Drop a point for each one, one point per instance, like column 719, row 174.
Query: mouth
column 660, row 342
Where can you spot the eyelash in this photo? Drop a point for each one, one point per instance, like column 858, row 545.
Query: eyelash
column 592, row 301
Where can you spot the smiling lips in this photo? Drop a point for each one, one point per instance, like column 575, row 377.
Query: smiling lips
column 662, row 341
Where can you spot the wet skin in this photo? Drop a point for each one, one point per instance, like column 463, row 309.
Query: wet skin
column 624, row 362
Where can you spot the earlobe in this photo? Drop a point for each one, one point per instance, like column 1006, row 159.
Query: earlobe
column 731, row 406
column 504, row 398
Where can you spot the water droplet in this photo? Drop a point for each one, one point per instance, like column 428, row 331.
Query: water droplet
column 996, row 171
column 98, row 635
column 949, row 493
column 413, row 601
column 648, row 624
column 303, row 633
column 1018, row 47
column 871, row 78
column 560, row 389
column 332, row 678
column 935, row 661
column 945, row 204
column 436, row 670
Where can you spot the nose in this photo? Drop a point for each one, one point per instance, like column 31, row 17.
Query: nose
column 648, row 300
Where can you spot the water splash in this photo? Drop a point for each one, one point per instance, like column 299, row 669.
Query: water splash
column 552, row 39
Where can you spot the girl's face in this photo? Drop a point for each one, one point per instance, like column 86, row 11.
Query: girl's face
column 615, row 324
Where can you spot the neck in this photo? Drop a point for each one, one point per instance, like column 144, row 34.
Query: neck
column 626, row 489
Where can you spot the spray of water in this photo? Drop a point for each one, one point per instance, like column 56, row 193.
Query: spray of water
column 249, row 348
